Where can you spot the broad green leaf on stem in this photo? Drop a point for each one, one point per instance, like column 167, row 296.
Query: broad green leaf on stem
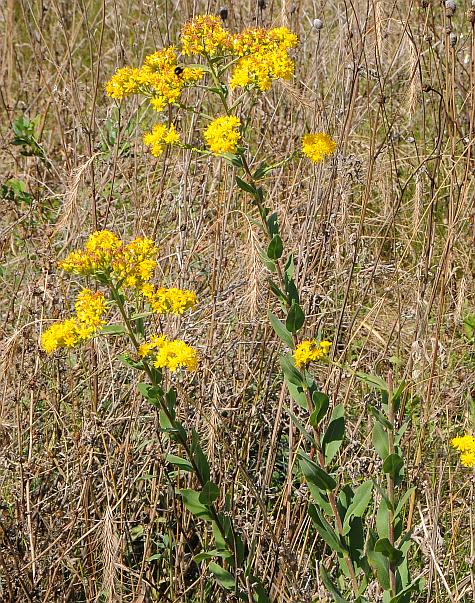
column 378, row 415
column 151, row 393
column 273, row 224
column 336, row 596
column 278, row 293
column 222, row 576
column 393, row 464
column 269, row 264
column 260, row 595
column 297, row 393
column 183, row 464
column 292, row 291
column 289, row 267
column 205, row 555
column 209, row 493
column 404, row 596
column 394, row 555
column 325, row 530
column 245, row 186
column 334, row 434
column 295, row 318
column 192, row 503
column 373, row 380
column 380, row 440
column 199, row 457
column 402, row 501
column 291, row 373
column 380, row 564
column 280, row 330
column 125, row 359
column 314, row 473
column 114, row 330
column 298, row 424
column 275, row 248
column 321, row 498
column 320, row 406
column 359, row 504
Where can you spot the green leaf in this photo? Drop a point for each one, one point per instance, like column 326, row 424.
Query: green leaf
column 278, row 293
column 403, row 596
column 334, row 434
column 261, row 171
column 380, row 440
column 297, row 393
column 393, row 464
column 280, row 330
column 380, row 564
column 359, row 504
column 205, row 555
column 373, row 380
column 199, row 457
column 320, row 406
column 299, row 425
column 380, row 417
column 209, row 493
column 291, row 373
column 269, row 264
column 336, row 596
column 314, row 473
column 151, row 393
column 395, row 556
column 192, row 503
column 289, row 267
column 276, row 248
column 117, row 329
column 273, row 224
column 245, row 186
column 382, row 519
column 325, row 530
column 136, row 364
column 222, row 577
column 179, row 462
column 295, row 318
column 403, row 500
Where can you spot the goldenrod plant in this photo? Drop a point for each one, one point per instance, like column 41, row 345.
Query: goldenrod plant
column 234, row 68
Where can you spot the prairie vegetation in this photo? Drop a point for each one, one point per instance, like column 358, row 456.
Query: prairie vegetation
column 122, row 482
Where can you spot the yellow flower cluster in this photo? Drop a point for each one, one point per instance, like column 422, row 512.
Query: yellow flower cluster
column 205, row 35
column 318, row 146
column 169, row 301
column 159, row 137
column 160, row 78
column 466, row 445
column 105, row 254
column 90, row 307
column 264, row 57
column 310, row 351
column 222, row 135
column 170, row 354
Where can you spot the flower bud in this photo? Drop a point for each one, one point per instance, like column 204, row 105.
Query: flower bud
column 317, row 24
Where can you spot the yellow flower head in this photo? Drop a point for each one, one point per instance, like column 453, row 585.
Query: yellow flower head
column 310, row 351
column 318, row 146
column 159, row 137
column 124, row 82
column 160, row 78
column 466, row 445
column 256, row 40
column 170, row 354
column 98, row 252
column 135, row 263
column 90, row 306
column 222, row 135
column 205, row 35
column 169, row 301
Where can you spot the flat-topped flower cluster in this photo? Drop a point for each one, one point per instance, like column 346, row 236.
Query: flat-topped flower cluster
column 251, row 60
column 123, row 269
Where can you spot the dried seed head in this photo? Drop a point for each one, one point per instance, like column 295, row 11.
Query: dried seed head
column 450, row 7
column 453, row 39
column 223, row 13
column 317, row 24
column 471, row 14
column 262, row 4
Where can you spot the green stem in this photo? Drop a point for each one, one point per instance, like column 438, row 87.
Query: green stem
column 390, row 484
